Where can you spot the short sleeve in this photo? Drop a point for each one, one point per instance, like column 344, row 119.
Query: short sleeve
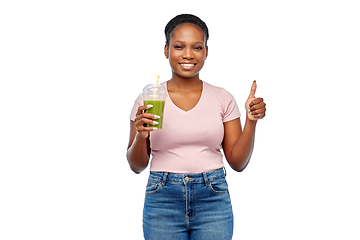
column 137, row 104
column 230, row 107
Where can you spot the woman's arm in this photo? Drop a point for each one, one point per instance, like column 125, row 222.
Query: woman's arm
column 238, row 145
column 138, row 152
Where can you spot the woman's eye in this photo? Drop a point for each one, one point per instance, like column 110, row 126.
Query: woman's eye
column 199, row 48
column 177, row 47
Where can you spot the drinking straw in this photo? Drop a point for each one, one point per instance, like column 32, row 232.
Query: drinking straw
column 157, row 82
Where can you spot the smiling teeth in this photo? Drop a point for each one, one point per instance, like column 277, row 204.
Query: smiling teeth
column 187, row 64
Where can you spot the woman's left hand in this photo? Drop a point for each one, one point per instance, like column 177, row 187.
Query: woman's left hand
column 255, row 107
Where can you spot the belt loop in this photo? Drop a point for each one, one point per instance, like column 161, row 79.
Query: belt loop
column 224, row 170
column 164, row 178
column 207, row 182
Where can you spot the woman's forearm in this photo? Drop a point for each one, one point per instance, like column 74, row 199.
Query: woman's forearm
column 243, row 148
column 138, row 154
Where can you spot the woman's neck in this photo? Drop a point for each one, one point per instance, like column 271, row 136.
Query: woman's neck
column 185, row 84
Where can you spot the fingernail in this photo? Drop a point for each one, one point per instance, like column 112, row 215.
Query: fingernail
column 249, row 109
column 154, row 128
column 154, row 122
column 149, row 105
column 156, row 116
column 255, row 81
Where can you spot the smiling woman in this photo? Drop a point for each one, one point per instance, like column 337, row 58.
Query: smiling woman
column 199, row 121
column 189, row 50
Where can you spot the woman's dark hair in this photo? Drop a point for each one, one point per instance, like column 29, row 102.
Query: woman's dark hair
column 185, row 18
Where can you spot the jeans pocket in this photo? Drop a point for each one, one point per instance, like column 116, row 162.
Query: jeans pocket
column 219, row 185
column 153, row 186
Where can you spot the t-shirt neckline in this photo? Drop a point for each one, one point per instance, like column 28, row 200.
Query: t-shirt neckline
column 190, row 110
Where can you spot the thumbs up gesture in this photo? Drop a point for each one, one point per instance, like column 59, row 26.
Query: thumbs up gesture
column 255, row 107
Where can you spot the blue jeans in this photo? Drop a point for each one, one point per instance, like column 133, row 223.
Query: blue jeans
column 187, row 206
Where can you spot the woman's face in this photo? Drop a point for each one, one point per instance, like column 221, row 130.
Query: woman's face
column 186, row 51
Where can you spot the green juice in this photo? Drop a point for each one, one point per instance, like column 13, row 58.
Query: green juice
column 157, row 109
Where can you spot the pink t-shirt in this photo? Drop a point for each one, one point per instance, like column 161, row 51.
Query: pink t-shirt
column 190, row 141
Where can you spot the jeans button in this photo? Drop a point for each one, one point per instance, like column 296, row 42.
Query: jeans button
column 186, row 178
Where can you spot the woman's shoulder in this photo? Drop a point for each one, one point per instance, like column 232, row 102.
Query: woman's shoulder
column 220, row 91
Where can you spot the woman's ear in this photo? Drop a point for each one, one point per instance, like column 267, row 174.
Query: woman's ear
column 207, row 51
column 166, row 51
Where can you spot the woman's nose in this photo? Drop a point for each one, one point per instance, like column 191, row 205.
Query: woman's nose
column 188, row 54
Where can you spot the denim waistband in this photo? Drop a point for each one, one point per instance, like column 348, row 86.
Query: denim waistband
column 188, row 178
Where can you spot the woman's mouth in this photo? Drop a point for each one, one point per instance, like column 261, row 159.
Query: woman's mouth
column 187, row 66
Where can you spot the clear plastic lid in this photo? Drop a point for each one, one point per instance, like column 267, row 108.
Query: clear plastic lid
column 154, row 91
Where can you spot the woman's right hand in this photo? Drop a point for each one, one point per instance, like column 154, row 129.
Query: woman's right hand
column 142, row 118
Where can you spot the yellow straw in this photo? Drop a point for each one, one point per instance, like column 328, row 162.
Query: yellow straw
column 157, row 82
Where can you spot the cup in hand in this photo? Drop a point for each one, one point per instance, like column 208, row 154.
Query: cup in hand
column 154, row 95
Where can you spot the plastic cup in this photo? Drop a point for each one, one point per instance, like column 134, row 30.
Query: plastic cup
column 155, row 95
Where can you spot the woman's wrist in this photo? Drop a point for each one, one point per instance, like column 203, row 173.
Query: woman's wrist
column 250, row 123
column 139, row 137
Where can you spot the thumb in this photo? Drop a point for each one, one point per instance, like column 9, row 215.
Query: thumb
column 253, row 89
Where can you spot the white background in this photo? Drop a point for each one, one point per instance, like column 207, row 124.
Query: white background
column 71, row 70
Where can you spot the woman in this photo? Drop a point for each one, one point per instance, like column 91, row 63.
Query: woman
column 187, row 195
